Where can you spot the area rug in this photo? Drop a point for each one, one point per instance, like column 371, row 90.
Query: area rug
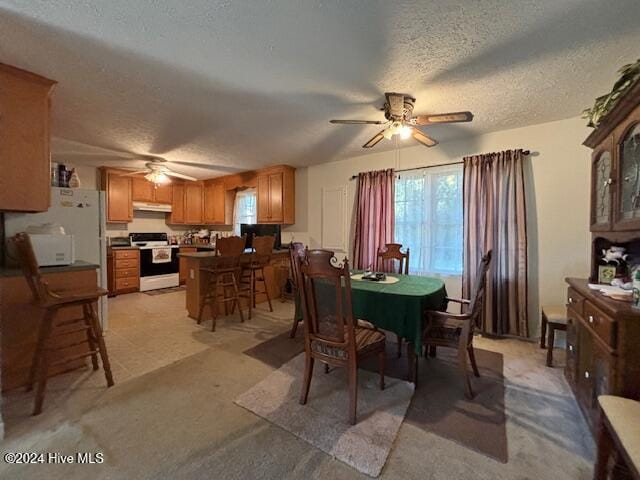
column 161, row 291
column 323, row 421
column 439, row 405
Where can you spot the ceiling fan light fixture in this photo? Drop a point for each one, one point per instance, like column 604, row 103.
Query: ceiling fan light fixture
column 158, row 178
column 405, row 132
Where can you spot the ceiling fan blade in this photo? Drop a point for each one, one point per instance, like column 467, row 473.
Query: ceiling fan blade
column 454, row 117
column 134, row 173
column 179, row 175
column 373, row 142
column 206, row 166
column 426, row 140
column 359, row 122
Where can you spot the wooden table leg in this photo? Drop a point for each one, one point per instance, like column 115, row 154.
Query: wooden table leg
column 413, row 364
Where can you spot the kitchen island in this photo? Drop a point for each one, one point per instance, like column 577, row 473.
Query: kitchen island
column 276, row 274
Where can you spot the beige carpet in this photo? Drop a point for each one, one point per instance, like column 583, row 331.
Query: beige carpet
column 323, row 421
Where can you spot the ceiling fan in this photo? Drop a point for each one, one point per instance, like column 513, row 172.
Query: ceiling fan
column 398, row 111
column 156, row 171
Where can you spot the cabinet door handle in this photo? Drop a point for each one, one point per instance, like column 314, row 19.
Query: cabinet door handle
column 586, row 375
column 570, row 299
column 571, row 348
column 591, row 320
column 608, row 182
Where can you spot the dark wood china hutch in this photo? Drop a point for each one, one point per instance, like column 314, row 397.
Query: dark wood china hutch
column 603, row 335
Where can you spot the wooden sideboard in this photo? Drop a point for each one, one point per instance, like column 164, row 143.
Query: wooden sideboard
column 603, row 348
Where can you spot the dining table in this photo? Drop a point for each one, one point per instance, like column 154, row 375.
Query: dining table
column 397, row 305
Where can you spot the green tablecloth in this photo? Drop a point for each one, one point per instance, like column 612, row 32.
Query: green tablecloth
column 397, row 307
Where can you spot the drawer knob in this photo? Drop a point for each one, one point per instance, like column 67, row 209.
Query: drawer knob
column 591, row 319
column 586, row 375
column 571, row 348
column 570, row 299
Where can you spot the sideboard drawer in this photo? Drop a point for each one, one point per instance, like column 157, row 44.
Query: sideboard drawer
column 121, row 254
column 575, row 301
column 603, row 325
column 127, row 263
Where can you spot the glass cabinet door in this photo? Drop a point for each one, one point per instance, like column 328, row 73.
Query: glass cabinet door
column 629, row 161
column 601, row 203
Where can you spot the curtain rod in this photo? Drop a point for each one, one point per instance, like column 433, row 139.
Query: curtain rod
column 353, row 177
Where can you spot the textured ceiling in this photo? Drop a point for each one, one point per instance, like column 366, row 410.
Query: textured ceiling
column 243, row 84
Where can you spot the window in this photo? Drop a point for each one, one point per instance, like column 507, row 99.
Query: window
column 428, row 209
column 245, row 210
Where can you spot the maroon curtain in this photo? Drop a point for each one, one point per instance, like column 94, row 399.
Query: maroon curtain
column 495, row 219
column 374, row 216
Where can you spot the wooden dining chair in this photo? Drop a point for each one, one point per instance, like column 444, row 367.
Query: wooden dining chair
column 392, row 260
column 223, row 275
column 444, row 329
column 253, row 270
column 618, row 438
column 52, row 333
column 331, row 333
column 296, row 250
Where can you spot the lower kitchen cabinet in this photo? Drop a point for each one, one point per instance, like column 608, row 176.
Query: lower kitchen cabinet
column 184, row 272
column 123, row 270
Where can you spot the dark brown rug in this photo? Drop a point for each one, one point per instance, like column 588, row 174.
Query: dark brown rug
column 438, row 405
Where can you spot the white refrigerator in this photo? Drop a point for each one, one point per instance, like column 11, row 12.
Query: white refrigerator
column 82, row 214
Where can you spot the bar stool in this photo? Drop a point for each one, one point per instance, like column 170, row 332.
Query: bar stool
column 555, row 318
column 51, row 331
column 253, row 270
column 222, row 287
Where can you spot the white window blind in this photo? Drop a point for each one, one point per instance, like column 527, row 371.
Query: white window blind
column 245, row 210
column 428, row 209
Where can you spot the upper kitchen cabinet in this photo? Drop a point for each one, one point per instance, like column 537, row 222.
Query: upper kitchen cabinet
column 214, row 202
column 186, row 207
column 142, row 190
column 25, row 111
column 119, row 201
column 193, row 203
column 276, row 195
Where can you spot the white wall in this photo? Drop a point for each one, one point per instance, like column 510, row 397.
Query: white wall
column 557, row 189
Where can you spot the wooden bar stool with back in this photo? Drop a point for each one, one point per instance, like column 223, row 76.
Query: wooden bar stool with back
column 223, row 279
column 296, row 250
column 392, row 260
column 51, row 333
column 253, row 270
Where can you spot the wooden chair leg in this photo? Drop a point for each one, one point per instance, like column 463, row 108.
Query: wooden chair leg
column 266, row 290
column 91, row 340
column 306, row 382
column 102, row 347
column 399, row 339
column 462, row 364
column 47, row 319
column 253, row 288
column 236, row 296
column 326, row 368
column 551, row 342
column 543, row 330
column 353, row 391
column 42, row 364
column 605, row 449
column 432, row 351
column 294, row 328
column 472, row 357
column 382, row 357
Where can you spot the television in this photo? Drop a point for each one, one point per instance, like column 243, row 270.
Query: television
column 260, row 230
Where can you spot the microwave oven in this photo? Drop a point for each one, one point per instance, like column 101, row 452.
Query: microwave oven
column 53, row 250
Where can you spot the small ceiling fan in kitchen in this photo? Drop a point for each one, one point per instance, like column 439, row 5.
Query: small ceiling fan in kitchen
column 156, row 171
column 398, row 111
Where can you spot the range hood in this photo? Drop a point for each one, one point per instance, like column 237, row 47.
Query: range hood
column 151, row 207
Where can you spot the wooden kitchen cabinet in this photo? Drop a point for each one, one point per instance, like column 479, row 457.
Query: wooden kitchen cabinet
column 123, row 270
column 119, row 201
column 177, row 205
column 276, row 195
column 25, row 106
column 214, row 203
column 142, row 190
column 193, row 203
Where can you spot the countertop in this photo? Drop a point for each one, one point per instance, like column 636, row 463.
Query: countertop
column 74, row 267
column 213, row 254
